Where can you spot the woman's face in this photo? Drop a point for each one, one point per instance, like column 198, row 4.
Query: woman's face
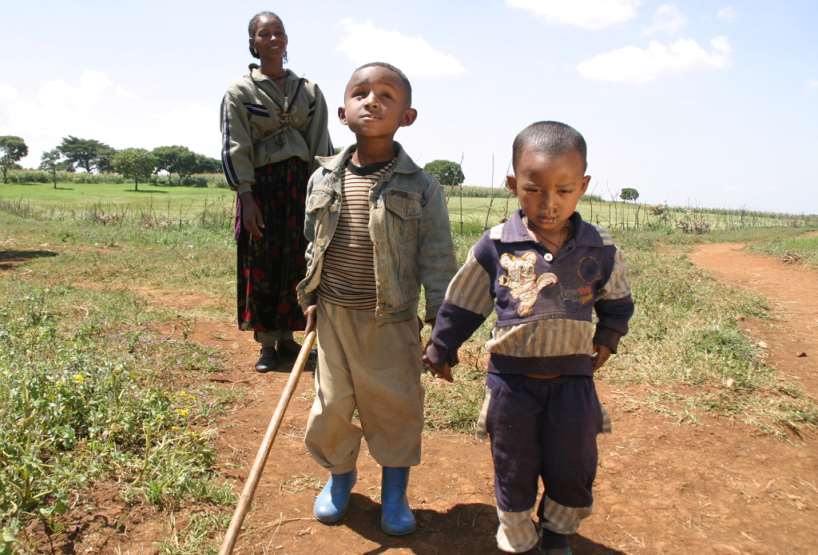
column 269, row 38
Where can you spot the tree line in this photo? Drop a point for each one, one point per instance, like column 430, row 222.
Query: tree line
column 91, row 155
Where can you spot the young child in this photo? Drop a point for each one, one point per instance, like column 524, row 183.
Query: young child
column 543, row 273
column 377, row 228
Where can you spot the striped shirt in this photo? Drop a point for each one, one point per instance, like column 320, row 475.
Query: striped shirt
column 348, row 273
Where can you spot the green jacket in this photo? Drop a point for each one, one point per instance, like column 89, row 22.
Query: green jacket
column 262, row 125
column 409, row 227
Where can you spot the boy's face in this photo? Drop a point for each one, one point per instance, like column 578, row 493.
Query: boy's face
column 548, row 188
column 375, row 103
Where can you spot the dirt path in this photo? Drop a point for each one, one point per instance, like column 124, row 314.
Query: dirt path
column 662, row 487
column 791, row 290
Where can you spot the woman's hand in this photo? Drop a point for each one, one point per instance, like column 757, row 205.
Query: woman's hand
column 251, row 217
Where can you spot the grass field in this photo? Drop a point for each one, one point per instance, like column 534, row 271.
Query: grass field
column 92, row 391
column 115, row 203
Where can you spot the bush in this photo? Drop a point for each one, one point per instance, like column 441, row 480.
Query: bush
column 194, row 181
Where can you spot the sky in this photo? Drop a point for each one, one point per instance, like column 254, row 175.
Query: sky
column 704, row 103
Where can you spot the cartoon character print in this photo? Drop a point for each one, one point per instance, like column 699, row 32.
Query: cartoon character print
column 521, row 277
column 589, row 271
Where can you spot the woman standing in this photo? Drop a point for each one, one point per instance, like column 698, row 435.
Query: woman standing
column 273, row 125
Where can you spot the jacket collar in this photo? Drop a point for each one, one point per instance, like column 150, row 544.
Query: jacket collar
column 256, row 74
column 338, row 162
column 585, row 235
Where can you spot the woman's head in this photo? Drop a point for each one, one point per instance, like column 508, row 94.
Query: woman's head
column 267, row 36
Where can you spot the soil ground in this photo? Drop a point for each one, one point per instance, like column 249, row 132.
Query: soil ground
column 716, row 486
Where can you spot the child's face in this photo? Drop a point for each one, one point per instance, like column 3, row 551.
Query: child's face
column 375, row 103
column 548, row 188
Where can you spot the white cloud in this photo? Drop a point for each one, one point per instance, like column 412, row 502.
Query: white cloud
column 588, row 14
column 727, row 13
column 92, row 106
column 667, row 19
column 364, row 42
column 812, row 84
column 632, row 64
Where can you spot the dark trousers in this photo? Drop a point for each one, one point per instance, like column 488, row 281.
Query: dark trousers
column 543, row 429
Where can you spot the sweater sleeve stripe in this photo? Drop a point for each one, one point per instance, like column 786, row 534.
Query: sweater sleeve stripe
column 227, row 162
column 617, row 286
column 470, row 288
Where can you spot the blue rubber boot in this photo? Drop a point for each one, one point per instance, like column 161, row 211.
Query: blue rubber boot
column 396, row 516
column 332, row 502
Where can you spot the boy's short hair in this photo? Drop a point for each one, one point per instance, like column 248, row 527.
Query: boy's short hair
column 404, row 79
column 549, row 137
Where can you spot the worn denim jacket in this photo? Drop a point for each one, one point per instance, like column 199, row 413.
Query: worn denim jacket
column 409, row 227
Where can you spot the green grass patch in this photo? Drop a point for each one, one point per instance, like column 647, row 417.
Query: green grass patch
column 195, row 536
column 87, row 393
column 802, row 248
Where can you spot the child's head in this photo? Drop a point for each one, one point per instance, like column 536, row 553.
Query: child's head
column 377, row 101
column 549, row 161
column 267, row 36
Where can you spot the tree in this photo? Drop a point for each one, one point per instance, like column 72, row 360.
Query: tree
column 105, row 158
column 134, row 163
column 12, row 149
column 50, row 162
column 629, row 193
column 446, row 172
column 175, row 159
column 89, row 154
column 206, row 164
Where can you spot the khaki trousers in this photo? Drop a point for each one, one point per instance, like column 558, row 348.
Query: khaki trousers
column 374, row 367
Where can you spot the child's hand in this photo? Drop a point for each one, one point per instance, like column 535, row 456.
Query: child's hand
column 311, row 314
column 443, row 371
column 251, row 217
column 601, row 355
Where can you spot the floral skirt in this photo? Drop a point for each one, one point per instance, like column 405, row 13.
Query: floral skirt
column 269, row 268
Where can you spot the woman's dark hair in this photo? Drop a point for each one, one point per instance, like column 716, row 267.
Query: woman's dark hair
column 251, row 29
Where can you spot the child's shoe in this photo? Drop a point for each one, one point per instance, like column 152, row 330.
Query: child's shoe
column 332, row 502
column 552, row 543
column 396, row 516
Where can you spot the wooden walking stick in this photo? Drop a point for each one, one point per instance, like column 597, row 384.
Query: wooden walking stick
column 264, row 449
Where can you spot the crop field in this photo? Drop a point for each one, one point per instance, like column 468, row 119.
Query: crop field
column 125, row 390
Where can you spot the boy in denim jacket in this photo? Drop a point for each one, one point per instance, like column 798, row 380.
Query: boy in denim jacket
column 378, row 229
column 543, row 273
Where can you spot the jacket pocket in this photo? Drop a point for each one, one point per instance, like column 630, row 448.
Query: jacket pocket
column 318, row 200
column 403, row 215
column 403, row 204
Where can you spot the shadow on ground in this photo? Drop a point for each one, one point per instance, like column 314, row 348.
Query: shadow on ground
column 10, row 259
column 462, row 529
